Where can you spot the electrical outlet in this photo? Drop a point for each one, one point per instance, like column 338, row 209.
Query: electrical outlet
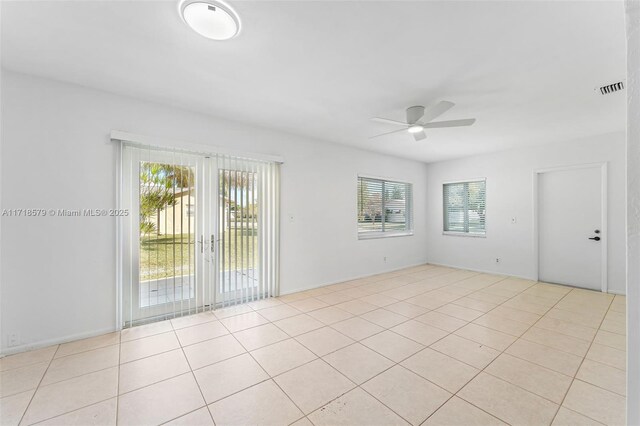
column 497, row 260
column 13, row 340
column 385, row 259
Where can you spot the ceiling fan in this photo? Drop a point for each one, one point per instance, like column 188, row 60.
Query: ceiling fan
column 419, row 119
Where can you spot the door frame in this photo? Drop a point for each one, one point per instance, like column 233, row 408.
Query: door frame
column 603, row 203
column 120, row 138
column 128, row 246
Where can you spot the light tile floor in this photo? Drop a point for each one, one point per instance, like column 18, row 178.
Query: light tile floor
column 425, row 345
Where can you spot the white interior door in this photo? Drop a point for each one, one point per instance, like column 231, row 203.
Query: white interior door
column 571, row 237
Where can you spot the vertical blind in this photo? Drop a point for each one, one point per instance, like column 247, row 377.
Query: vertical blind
column 248, row 230
column 201, row 232
column 465, row 207
column 384, row 206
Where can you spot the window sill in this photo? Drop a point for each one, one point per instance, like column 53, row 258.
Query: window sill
column 463, row 234
column 384, row 235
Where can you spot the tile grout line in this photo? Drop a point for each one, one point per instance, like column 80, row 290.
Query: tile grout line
column 394, row 363
column 504, row 351
column 580, row 366
column 353, row 343
column 471, row 322
column 118, row 382
column 480, row 370
column 268, row 375
column 468, row 322
column 324, row 404
column 532, row 325
column 38, row 386
column 392, row 366
column 87, row 350
column 407, row 319
column 73, row 411
column 72, row 377
column 192, row 375
column 401, row 366
column 427, row 346
column 186, row 414
column 270, row 378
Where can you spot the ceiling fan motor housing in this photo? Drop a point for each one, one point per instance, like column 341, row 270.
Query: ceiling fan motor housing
column 414, row 114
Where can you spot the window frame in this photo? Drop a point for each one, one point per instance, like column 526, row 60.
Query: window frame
column 408, row 231
column 444, row 209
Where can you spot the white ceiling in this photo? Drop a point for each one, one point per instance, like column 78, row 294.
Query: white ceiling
column 526, row 70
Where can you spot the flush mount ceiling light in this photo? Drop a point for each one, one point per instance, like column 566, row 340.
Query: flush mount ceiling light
column 415, row 129
column 211, row 19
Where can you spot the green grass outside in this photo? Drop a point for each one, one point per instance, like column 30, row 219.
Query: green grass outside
column 163, row 256
column 377, row 226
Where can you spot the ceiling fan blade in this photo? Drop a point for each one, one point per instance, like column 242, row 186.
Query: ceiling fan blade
column 451, row 123
column 388, row 133
column 419, row 136
column 436, row 111
column 414, row 114
column 387, row 121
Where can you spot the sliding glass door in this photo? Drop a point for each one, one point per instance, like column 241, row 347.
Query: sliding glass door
column 201, row 232
column 238, row 233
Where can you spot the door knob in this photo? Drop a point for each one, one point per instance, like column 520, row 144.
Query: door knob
column 595, row 238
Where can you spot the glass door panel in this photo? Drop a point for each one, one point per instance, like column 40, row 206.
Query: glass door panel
column 167, row 272
column 201, row 233
column 238, row 233
column 167, row 233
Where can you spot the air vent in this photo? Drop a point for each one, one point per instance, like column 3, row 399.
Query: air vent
column 605, row 90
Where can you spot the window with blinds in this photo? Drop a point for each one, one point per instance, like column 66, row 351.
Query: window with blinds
column 465, row 207
column 384, row 207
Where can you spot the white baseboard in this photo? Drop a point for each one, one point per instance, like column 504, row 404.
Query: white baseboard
column 297, row 290
column 56, row 341
column 483, row 271
column 621, row 293
column 79, row 336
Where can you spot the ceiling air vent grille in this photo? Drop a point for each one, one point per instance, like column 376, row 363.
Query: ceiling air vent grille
column 605, row 90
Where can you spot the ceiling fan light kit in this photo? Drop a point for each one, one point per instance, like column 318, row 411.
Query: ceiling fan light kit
column 419, row 119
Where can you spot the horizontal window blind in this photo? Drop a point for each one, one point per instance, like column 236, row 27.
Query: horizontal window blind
column 465, row 207
column 384, row 207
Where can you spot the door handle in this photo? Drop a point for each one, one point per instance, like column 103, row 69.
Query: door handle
column 596, row 238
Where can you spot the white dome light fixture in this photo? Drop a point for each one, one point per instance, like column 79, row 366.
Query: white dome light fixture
column 416, row 128
column 212, row 19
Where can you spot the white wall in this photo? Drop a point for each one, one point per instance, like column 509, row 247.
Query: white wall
column 1, row 132
column 633, row 211
column 58, row 274
column 510, row 190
